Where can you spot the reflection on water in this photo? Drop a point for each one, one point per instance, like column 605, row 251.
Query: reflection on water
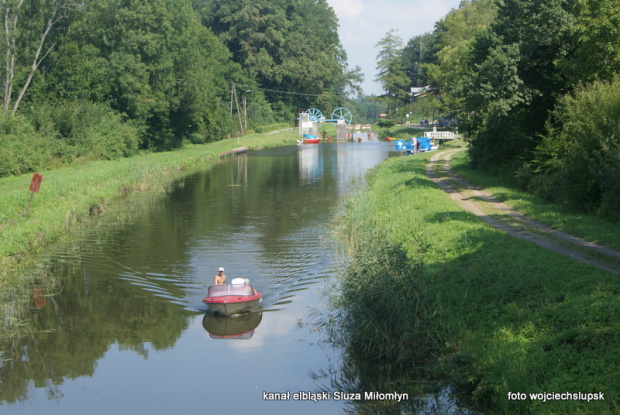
column 129, row 309
column 240, row 326
column 407, row 387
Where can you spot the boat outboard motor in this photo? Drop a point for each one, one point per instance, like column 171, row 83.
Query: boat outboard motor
column 240, row 281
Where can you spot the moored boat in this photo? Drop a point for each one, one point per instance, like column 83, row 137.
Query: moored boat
column 309, row 139
column 230, row 299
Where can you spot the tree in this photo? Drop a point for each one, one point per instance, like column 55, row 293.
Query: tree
column 495, row 96
column 27, row 28
column 597, row 40
column 391, row 75
column 284, row 45
column 152, row 61
column 417, row 53
column 368, row 108
column 512, row 79
column 453, row 41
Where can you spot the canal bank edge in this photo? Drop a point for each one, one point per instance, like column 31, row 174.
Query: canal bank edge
column 513, row 317
column 70, row 196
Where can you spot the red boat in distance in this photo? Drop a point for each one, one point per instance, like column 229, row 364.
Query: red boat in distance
column 310, row 139
column 235, row 298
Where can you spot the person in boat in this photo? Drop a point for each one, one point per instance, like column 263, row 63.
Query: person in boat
column 220, row 278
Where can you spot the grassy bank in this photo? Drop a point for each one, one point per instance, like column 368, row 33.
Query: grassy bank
column 70, row 196
column 592, row 228
column 495, row 314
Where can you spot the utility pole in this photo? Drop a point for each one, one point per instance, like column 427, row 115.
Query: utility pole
column 233, row 93
column 245, row 113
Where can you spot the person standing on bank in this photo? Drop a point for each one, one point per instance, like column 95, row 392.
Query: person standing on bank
column 220, row 278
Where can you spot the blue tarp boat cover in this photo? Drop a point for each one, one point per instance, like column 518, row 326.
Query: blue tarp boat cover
column 424, row 144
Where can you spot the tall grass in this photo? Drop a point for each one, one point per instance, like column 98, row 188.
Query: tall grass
column 388, row 314
column 505, row 315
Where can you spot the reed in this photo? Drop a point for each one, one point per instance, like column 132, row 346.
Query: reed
column 388, row 314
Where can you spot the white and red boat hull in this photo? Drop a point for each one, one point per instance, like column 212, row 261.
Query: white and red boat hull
column 228, row 300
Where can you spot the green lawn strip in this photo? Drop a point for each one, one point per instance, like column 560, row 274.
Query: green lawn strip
column 70, row 195
column 589, row 227
column 514, row 317
column 501, row 216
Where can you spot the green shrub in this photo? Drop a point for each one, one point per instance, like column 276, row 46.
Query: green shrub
column 259, row 112
column 22, row 149
column 49, row 135
column 578, row 163
column 110, row 138
column 386, row 123
column 86, row 130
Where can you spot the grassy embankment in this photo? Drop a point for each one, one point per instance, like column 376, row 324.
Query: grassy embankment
column 490, row 312
column 69, row 196
column 592, row 228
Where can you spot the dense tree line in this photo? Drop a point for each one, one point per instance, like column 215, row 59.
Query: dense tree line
column 531, row 82
column 105, row 78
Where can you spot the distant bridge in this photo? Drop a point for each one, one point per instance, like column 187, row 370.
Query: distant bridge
column 440, row 135
column 339, row 114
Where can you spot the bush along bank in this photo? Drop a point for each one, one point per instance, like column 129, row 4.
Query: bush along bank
column 492, row 314
column 75, row 196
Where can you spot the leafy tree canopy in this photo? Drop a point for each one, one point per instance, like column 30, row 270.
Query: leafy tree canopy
column 154, row 62
column 418, row 52
column 391, row 70
column 285, row 45
column 512, row 78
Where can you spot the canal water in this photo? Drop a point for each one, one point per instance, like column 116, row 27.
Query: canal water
column 127, row 331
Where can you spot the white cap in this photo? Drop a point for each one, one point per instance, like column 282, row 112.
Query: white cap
column 221, row 269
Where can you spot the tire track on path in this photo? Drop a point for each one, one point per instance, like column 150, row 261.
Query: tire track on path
column 501, row 216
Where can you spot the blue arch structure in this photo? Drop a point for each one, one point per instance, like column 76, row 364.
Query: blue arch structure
column 339, row 114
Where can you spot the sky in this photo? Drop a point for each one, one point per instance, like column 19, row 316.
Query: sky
column 363, row 23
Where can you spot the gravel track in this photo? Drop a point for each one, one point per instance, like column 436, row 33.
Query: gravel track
column 485, row 206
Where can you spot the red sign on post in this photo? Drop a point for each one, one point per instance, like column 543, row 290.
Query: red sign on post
column 35, row 184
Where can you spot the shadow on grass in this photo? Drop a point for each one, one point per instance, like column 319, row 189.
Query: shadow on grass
column 528, row 320
column 514, row 317
column 411, row 166
column 455, row 215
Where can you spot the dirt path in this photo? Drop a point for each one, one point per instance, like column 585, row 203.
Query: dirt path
column 279, row 131
column 498, row 214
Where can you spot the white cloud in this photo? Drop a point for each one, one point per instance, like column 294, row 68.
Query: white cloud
column 347, row 7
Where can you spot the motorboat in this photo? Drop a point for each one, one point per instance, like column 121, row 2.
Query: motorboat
column 234, row 298
column 309, row 139
column 237, row 327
